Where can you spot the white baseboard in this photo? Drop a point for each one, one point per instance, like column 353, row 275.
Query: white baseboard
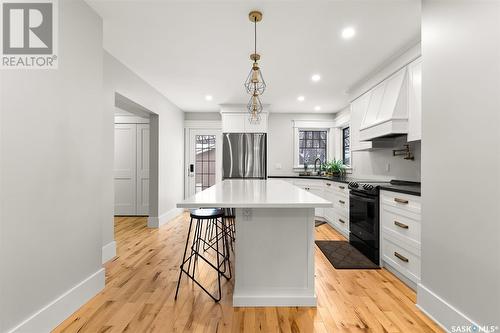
column 156, row 222
column 54, row 313
column 443, row 313
column 267, row 301
column 108, row 251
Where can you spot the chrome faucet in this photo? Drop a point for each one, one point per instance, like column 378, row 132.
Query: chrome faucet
column 315, row 164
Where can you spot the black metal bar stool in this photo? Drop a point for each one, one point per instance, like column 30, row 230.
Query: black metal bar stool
column 214, row 220
column 229, row 229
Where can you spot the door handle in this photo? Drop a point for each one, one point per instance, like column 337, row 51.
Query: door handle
column 401, row 225
column 400, row 257
column 341, row 187
column 341, row 221
column 342, row 201
column 401, row 201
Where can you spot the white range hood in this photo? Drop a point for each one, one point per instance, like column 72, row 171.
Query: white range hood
column 387, row 113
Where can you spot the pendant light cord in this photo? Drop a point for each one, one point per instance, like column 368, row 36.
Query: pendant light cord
column 255, row 36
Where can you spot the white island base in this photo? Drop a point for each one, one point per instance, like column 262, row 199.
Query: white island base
column 274, row 257
column 274, row 250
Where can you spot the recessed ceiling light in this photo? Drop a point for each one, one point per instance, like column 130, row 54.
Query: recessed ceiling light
column 348, row 32
column 317, row 108
column 316, row 77
column 301, row 98
column 209, row 97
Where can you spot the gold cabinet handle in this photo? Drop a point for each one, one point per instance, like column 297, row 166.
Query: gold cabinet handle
column 400, row 257
column 328, row 184
column 341, row 221
column 341, row 187
column 401, row 225
column 401, row 201
column 342, row 202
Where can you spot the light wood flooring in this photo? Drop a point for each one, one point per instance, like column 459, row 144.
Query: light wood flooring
column 141, row 281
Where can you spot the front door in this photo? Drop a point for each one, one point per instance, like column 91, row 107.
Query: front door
column 204, row 160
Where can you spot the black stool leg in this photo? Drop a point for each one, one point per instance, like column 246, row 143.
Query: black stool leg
column 183, row 258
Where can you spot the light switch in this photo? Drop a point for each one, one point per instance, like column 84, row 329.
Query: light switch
column 278, row 166
column 388, row 167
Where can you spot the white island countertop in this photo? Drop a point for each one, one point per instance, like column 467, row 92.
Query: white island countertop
column 254, row 193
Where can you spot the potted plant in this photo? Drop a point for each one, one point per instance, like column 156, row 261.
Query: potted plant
column 334, row 167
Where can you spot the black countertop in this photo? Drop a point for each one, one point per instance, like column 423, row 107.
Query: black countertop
column 409, row 188
column 345, row 180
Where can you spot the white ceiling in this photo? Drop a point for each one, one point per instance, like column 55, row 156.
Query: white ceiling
column 188, row 49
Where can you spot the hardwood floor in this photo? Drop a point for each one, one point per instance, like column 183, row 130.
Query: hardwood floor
column 141, row 281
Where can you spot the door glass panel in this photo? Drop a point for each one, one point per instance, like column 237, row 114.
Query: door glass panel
column 205, row 162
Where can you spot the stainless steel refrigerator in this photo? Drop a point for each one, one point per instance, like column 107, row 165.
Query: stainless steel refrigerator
column 244, row 155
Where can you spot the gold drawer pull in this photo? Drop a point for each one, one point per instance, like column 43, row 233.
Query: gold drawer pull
column 401, row 201
column 341, row 221
column 342, row 202
column 400, row 257
column 401, row 225
column 341, row 187
column 328, row 184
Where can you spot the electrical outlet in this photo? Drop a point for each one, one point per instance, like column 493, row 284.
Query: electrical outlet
column 278, row 166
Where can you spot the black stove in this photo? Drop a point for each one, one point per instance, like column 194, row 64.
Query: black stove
column 364, row 218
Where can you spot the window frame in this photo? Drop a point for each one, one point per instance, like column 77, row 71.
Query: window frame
column 296, row 154
column 342, row 129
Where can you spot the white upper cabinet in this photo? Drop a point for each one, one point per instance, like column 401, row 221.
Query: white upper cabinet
column 415, row 100
column 358, row 111
column 238, row 122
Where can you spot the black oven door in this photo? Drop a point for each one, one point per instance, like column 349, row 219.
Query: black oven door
column 364, row 218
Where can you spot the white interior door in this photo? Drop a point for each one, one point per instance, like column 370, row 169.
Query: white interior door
column 142, row 169
column 204, row 159
column 125, row 169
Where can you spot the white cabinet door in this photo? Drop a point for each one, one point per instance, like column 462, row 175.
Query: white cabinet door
column 358, row 110
column 125, row 169
column 239, row 123
column 142, row 169
column 233, row 123
column 415, row 100
column 260, row 127
column 131, row 169
column 319, row 192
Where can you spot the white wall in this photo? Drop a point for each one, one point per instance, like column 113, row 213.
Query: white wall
column 170, row 122
column 51, row 178
column 280, row 140
column 461, row 162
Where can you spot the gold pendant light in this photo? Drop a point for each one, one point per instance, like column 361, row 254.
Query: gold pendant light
column 255, row 84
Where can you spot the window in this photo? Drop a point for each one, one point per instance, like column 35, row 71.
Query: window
column 312, row 145
column 205, row 162
column 346, row 146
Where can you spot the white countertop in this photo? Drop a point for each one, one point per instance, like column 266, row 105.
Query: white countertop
column 254, row 193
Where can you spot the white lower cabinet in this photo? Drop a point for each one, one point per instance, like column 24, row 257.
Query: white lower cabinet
column 338, row 194
column 400, row 224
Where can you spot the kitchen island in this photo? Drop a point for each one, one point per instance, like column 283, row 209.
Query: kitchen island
column 274, row 248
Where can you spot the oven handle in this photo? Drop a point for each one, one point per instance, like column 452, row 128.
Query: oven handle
column 356, row 196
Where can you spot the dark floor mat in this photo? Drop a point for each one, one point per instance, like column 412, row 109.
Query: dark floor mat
column 343, row 255
column 317, row 223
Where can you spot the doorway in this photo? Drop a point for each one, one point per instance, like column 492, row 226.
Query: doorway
column 203, row 159
column 135, row 171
